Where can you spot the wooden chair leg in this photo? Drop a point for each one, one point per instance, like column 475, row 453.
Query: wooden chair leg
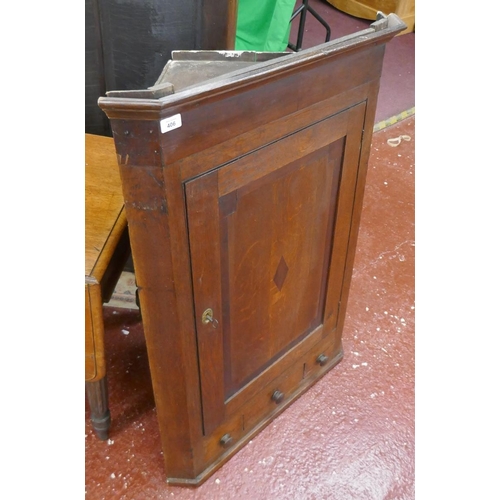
column 97, row 394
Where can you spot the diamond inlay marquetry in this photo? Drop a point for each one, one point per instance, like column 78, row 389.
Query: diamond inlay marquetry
column 280, row 275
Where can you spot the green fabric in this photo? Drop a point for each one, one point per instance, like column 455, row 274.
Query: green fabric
column 263, row 25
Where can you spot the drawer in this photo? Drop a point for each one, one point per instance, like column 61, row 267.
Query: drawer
column 278, row 394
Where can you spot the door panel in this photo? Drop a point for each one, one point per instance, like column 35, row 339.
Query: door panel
column 262, row 231
column 273, row 276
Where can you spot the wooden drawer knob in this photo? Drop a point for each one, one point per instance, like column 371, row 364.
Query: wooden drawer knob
column 322, row 360
column 277, row 397
column 226, row 440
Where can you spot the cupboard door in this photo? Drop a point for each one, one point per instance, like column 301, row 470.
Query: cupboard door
column 268, row 236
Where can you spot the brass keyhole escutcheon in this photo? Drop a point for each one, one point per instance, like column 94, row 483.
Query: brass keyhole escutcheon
column 208, row 317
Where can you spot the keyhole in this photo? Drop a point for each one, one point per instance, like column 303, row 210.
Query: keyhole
column 208, row 317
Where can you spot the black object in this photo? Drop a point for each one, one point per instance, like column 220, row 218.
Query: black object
column 303, row 10
column 127, row 44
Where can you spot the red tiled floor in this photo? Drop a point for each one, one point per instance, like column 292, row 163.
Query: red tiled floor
column 351, row 436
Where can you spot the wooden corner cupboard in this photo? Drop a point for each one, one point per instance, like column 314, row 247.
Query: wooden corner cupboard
column 243, row 177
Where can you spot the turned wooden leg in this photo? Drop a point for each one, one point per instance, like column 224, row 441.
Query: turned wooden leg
column 97, row 393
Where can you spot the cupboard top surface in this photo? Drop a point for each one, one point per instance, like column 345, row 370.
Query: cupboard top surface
column 191, row 73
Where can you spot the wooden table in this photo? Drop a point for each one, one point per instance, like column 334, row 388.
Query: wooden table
column 367, row 9
column 107, row 249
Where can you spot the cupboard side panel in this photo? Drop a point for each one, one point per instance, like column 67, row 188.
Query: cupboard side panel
column 368, row 119
column 153, row 215
column 350, row 166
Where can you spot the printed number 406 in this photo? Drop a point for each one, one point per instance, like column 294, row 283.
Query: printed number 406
column 171, row 123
